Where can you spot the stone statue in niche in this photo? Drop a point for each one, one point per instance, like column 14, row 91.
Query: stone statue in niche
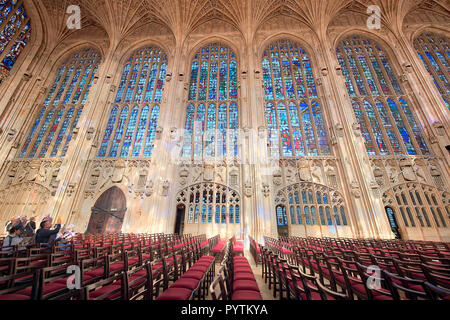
column 407, row 170
column 119, row 171
column 316, row 172
column 303, row 170
column 248, row 189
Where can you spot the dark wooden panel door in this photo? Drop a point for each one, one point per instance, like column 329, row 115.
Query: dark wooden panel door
column 108, row 212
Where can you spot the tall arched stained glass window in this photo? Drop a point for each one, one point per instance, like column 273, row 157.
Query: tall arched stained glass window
column 140, row 91
column 294, row 115
column 15, row 33
column 53, row 127
column 212, row 120
column 381, row 107
column 434, row 51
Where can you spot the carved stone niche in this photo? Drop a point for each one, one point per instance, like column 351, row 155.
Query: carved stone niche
column 11, row 134
column 356, row 129
column 165, row 188
column 379, row 175
column 303, row 170
column 436, row 175
column 159, row 130
column 208, row 174
column 439, row 128
column 119, row 171
column 265, row 189
column 234, row 177
column 331, row 173
column 248, row 189
column 407, row 170
column 277, row 178
column 90, row 133
column 339, row 130
column 316, row 171
column 184, row 174
column 355, row 189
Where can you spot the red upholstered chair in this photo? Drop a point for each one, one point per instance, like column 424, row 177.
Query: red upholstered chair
column 140, row 283
column 12, row 286
column 404, row 288
column 329, row 294
column 437, row 293
column 112, row 288
column 93, row 270
column 53, row 283
column 217, row 289
column 437, row 275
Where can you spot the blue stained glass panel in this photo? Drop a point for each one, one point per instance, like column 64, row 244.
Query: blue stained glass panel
column 160, row 82
column 233, row 80
column 320, row 128
column 194, row 77
column 140, row 134
column 33, row 130
column 267, row 74
column 296, row 130
column 119, row 132
column 130, row 132
column 69, row 137
column 189, row 130
column 62, row 132
column 401, row 127
column 51, row 133
column 211, row 132
column 44, row 128
column 213, row 74
column 376, row 129
column 154, row 116
column 199, row 131
column 284, row 130
column 108, row 132
column 151, row 83
column 414, row 126
column 202, row 84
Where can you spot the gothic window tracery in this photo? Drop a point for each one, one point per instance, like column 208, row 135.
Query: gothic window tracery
column 311, row 204
column 55, row 122
column 418, row 206
column 294, row 113
column 212, row 117
column 210, row 203
column 434, row 52
column 133, row 119
column 380, row 104
column 14, row 36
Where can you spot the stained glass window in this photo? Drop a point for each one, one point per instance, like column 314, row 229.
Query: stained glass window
column 53, row 129
column 142, row 85
column 212, row 120
column 382, row 110
column 14, row 35
column 295, row 119
column 433, row 50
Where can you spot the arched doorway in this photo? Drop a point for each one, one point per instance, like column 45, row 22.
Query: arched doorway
column 108, row 212
column 179, row 222
column 282, row 224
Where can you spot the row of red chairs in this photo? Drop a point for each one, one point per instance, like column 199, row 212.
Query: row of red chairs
column 235, row 279
column 44, row 277
column 345, row 274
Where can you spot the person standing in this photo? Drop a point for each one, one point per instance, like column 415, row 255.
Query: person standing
column 30, row 228
column 46, row 236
